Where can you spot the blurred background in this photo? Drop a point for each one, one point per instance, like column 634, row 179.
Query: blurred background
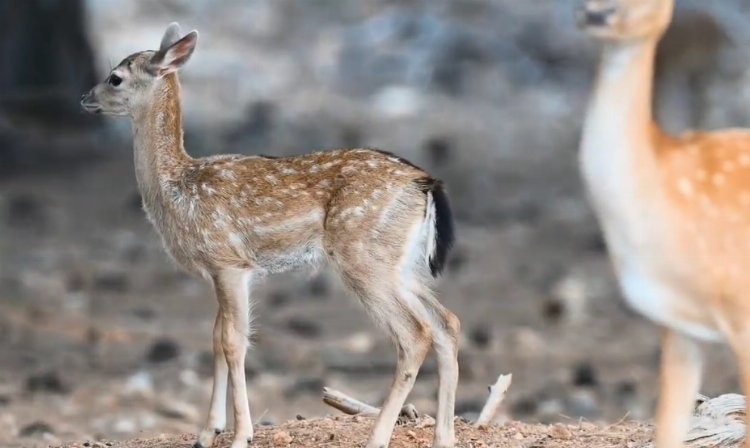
column 102, row 336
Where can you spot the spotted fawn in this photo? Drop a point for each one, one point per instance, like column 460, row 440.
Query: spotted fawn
column 383, row 224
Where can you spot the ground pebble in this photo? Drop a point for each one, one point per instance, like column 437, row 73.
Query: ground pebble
column 281, row 438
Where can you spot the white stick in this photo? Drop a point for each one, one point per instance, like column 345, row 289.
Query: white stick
column 497, row 394
column 352, row 406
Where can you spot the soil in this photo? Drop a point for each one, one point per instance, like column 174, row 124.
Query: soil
column 353, row 431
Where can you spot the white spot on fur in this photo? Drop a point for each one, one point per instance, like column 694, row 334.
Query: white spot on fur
column 685, row 187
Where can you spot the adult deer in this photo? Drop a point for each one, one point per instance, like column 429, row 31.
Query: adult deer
column 383, row 223
column 675, row 210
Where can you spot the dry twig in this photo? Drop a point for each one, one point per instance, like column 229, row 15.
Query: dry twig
column 352, row 406
column 497, row 394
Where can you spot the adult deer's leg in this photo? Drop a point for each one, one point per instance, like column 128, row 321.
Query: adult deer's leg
column 217, row 413
column 681, row 365
column 739, row 338
column 232, row 292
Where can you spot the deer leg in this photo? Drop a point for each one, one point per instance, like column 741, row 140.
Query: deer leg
column 681, row 366
column 217, row 414
column 445, row 341
column 413, row 339
column 739, row 338
column 232, row 292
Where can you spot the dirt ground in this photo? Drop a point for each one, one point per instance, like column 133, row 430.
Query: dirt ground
column 352, row 431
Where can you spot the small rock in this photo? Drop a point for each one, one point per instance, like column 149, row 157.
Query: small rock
column 303, row 327
column 163, row 350
column 583, row 403
column 300, row 417
column 140, row 385
column 553, row 310
column 560, row 432
column 178, row 410
column 36, row 429
column 480, row 336
column 111, row 282
column 124, row 426
column 46, row 382
column 584, row 375
column 281, row 438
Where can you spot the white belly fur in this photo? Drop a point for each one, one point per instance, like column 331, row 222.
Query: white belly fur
column 658, row 301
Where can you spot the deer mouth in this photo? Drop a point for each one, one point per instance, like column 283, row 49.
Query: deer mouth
column 89, row 105
column 91, row 108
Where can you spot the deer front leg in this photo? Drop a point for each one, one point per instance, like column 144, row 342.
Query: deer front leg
column 217, row 414
column 681, row 366
column 232, row 293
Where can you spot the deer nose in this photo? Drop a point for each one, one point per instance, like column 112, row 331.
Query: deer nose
column 85, row 98
column 596, row 17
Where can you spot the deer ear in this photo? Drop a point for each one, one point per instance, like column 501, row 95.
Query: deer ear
column 170, row 59
column 171, row 35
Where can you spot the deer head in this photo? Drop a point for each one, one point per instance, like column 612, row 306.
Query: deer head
column 133, row 83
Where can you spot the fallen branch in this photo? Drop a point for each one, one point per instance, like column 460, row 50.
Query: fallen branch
column 351, row 406
column 497, row 394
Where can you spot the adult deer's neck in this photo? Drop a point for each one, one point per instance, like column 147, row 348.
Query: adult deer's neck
column 618, row 134
column 622, row 98
column 157, row 134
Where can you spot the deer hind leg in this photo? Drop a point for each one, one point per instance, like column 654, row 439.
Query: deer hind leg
column 413, row 336
column 680, row 379
column 217, row 414
column 446, row 330
column 416, row 321
column 233, row 296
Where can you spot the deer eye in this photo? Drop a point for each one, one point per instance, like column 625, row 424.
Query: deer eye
column 114, row 80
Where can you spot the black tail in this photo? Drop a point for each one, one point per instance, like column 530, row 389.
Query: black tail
column 444, row 231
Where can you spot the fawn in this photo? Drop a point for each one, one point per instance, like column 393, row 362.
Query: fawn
column 675, row 210
column 383, row 223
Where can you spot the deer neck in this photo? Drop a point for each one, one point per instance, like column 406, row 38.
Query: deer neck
column 159, row 151
column 618, row 150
